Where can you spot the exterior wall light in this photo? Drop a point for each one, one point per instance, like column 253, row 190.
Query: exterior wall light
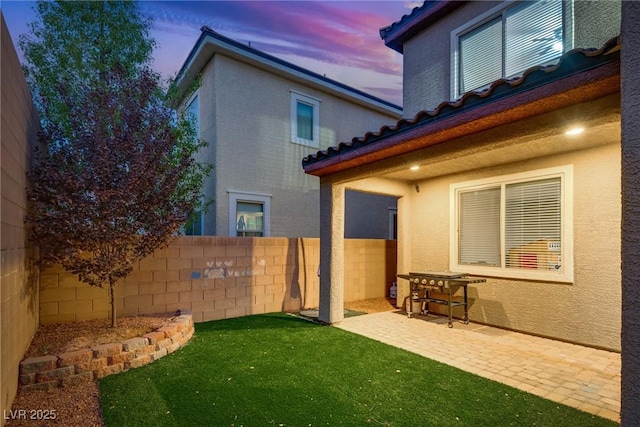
column 414, row 168
column 574, row 131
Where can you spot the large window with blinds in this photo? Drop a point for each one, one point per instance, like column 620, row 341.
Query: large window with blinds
column 509, row 39
column 514, row 226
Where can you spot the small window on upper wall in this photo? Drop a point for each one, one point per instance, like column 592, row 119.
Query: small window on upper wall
column 249, row 214
column 305, row 118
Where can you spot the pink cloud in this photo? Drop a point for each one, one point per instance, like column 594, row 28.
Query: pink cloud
column 341, row 33
column 335, row 33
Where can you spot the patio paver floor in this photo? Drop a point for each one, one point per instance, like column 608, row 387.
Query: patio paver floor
column 577, row 376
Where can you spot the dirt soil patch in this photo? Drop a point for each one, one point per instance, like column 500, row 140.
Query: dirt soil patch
column 373, row 305
column 60, row 338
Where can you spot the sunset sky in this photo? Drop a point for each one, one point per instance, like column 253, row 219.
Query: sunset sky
column 337, row 38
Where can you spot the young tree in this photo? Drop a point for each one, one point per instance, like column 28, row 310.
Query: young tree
column 73, row 43
column 118, row 177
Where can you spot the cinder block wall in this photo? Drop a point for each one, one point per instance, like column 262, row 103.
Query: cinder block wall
column 18, row 277
column 222, row 277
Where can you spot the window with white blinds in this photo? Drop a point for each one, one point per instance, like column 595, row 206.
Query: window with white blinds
column 513, row 226
column 481, row 56
column 510, row 40
column 533, row 224
column 480, row 227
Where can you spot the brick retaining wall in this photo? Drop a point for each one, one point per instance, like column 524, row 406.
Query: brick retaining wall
column 222, row 277
column 79, row 366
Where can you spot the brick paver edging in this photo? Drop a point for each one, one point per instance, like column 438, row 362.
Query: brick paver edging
column 75, row 367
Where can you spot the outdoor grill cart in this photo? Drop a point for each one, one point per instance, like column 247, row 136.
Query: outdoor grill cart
column 422, row 283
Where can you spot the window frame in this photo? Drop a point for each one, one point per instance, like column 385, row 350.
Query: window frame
column 565, row 274
column 489, row 15
column 297, row 97
column 249, row 197
column 195, row 98
column 200, row 220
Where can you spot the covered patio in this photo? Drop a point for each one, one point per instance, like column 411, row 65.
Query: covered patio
column 513, row 131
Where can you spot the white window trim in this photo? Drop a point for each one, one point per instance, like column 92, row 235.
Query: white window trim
column 568, row 32
column 566, row 274
column 315, row 102
column 249, row 197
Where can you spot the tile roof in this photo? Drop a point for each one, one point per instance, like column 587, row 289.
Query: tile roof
column 568, row 69
column 420, row 18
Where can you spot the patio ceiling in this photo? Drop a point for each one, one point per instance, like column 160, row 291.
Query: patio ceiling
column 539, row 137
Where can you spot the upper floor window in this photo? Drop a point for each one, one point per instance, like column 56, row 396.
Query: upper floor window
column 193, row 112
column 305, row 118
column 507, row 40
column 516, row 226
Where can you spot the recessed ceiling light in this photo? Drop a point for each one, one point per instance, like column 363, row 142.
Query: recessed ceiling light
column 574, row 131
column 414, row 168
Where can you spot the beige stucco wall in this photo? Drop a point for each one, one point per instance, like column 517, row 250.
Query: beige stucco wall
column 427, row 56
column 586, row 311
column 245, row 115
column 221, row 277
column 18, row 276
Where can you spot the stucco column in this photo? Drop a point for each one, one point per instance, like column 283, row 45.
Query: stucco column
column 630, row 93
column 404, row 248
column 331, row 252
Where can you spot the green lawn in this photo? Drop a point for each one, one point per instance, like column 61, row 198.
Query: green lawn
column 278, row 370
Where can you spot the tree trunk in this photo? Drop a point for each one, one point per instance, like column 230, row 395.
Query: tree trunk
column 112, row 292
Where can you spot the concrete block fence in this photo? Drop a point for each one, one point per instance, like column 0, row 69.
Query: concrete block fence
column 80, row 366
column 221, row 277
column 18, row 274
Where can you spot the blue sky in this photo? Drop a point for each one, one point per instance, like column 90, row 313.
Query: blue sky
column 336, row 38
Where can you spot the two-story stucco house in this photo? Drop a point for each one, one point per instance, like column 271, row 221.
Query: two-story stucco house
column 260, row 115
column 506, row 165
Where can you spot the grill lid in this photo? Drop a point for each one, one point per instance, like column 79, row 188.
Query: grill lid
column 439, row 274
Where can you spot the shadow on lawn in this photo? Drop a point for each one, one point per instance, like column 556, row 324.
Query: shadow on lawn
column 260, row 321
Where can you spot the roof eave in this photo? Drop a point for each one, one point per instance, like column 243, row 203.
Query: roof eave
column 586, row 86
column 420, row 18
